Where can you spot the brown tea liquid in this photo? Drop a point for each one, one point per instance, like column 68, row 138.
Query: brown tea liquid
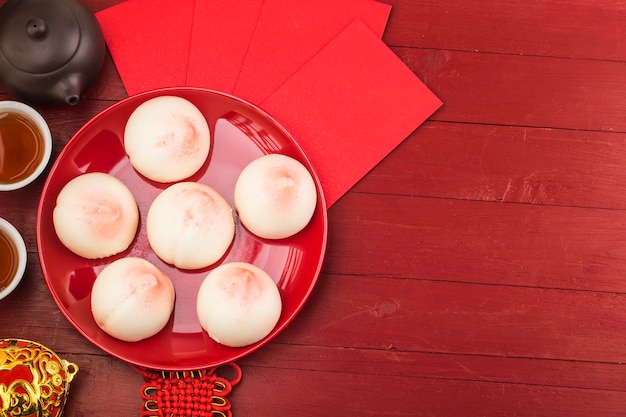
column 21, row 147
column 8, row 260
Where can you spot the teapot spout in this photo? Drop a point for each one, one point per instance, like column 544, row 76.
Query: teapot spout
column 68, row 90
column 72, row 99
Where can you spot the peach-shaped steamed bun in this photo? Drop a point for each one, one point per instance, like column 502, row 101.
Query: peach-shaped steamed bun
column 190, row 225
column 167, row 139
column 96, row 215
column 132, row 299
column 238, row 304
column 275, row 196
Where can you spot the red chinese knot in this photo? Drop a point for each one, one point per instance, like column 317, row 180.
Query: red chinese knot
column 187, row 394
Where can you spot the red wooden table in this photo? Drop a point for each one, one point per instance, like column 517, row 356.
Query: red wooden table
column 478, row 270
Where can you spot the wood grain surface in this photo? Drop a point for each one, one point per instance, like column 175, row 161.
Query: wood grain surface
column 478, row 270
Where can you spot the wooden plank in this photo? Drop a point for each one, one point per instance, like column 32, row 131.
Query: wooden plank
column 96, row 390
column 523, row 90
column 448, row 317
column 336, row 389
column 565, row 28
column 393, row 362
column 494, row 243
column 506, row 164
column 275, row 392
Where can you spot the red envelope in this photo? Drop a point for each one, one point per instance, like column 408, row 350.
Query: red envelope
column 220, row 38
column 290, row 32
column 149, row 43
column 349, row 106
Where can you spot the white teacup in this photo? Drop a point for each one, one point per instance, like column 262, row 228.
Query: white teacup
column 12, row 258
column 25, row 145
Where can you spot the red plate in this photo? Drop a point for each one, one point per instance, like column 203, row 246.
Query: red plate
column 241, row 132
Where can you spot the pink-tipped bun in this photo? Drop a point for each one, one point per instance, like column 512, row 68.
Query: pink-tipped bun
column 132, row 299
column 238, row 304
column 167, row 139
column 275, row 196
column 96, row 216
column 190, row 225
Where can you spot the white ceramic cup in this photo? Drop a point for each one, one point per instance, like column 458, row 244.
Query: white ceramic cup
column 8, row 106
column 14, row 235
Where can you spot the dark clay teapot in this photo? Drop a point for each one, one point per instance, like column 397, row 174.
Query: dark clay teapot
column 50, row 50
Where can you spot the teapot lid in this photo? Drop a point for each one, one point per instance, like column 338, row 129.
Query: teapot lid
column 38, row 36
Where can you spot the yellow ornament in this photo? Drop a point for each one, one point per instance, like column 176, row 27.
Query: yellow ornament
column 34, row 381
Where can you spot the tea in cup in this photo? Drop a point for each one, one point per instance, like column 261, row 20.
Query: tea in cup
column 12, row 258
column 25, row 145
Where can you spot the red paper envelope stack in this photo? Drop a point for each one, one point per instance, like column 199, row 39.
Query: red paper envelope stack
column 319, row 67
